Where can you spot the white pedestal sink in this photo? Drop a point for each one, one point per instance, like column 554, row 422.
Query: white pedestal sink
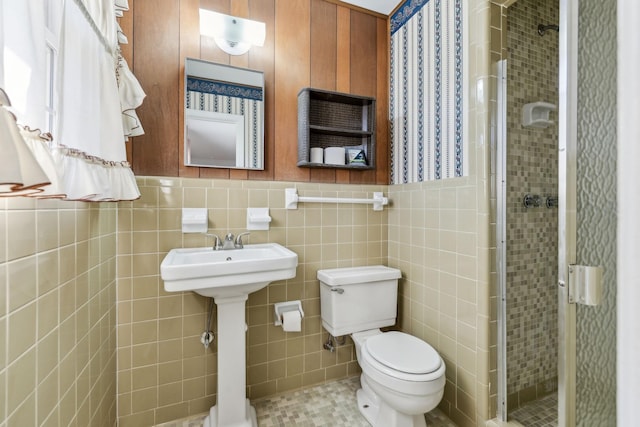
column 229, row 276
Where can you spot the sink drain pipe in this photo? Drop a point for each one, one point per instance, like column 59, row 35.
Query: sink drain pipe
column 207, row 336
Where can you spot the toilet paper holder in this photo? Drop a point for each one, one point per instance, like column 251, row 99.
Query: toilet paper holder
column 281, row 307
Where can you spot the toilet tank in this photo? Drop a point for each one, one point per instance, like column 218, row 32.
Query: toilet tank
column 357, row 299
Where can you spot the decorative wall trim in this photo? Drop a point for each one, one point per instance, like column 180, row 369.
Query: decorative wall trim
column 459, row 97
column 405, row 12
column 427, row 91
column 223, row 88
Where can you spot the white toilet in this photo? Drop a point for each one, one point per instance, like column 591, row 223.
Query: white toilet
column 402, row 376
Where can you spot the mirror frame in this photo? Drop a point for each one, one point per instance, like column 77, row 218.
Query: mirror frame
column 236, row 83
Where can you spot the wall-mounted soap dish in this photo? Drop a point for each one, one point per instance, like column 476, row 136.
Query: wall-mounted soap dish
column 536, row 114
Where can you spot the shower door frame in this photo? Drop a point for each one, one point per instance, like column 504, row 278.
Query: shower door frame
column 567, row 226
column 567, row 207
column 500, row 150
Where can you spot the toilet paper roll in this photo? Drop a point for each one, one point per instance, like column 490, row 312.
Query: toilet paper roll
column 316, row 155
column 334, row 155
column 291, row 321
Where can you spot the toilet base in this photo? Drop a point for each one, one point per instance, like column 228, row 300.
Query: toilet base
column 379, row 414
column 367, row 406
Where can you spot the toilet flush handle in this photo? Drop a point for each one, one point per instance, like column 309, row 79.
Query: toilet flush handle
column 338, row 290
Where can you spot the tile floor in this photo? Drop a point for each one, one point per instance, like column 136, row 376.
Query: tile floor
column 542, row 412
column 331, row 405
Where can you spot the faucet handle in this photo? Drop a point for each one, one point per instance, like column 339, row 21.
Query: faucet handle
column 228, row 237
column 217, row 245
column 239, row 244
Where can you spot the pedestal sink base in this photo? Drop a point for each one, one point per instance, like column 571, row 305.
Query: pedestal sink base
column 252, row 421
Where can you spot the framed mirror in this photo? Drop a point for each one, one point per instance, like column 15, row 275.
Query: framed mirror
column 224, row 116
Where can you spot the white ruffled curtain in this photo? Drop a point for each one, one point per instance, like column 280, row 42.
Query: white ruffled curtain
column 97, row 93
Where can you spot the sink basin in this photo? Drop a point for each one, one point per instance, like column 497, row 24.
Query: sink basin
column 227, row 273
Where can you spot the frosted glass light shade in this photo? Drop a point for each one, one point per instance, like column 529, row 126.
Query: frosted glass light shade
column 233, row 35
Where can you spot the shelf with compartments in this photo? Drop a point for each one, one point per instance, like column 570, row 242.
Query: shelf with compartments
column 333, row 119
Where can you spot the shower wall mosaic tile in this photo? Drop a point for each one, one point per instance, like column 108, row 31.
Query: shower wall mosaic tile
column 532, row 247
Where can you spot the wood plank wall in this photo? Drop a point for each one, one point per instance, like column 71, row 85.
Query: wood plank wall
column 309, row 43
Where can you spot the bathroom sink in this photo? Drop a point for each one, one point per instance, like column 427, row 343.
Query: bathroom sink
column 226, row 273
column 229, row 276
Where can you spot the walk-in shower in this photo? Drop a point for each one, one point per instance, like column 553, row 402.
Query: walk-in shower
column 527, row 213
column 540, row 322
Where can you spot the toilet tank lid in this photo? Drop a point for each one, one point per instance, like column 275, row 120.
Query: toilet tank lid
column 353, row 275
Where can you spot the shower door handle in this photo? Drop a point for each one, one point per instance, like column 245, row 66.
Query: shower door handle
column 585, row 284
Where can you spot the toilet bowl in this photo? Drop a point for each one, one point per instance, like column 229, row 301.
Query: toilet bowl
column 403, row 377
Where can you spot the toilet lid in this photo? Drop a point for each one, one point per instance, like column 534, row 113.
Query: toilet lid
column 403, row 352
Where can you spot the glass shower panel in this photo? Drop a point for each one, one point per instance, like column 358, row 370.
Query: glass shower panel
column 596, row 210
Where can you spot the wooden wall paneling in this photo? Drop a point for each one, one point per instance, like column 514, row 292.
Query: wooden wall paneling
column 155, row 64
column 292, row 66
column 363, row 69
column 363, row 54
column 323, row 53
column 324, row 46
column 262, row 58
column 314, row 43
column 358, row 8
column 382, row 106
column 214, row 173
column 238, row 174
column 189, row 48
column 343, row 66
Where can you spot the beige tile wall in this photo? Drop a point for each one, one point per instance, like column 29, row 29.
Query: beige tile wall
column 442, row 237
column 57, row 313
column 437, row 239
column 164, row 371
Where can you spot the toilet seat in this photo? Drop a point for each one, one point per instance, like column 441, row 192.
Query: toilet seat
column 403, row 352
column 402, row 357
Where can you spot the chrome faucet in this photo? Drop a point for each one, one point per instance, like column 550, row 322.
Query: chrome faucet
column 239, row 244
column 216, row 241
column 230, row 241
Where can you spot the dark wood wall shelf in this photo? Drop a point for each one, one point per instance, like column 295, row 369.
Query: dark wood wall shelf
column 333, row 119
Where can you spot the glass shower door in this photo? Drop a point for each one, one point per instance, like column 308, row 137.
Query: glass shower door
column 587, row 210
